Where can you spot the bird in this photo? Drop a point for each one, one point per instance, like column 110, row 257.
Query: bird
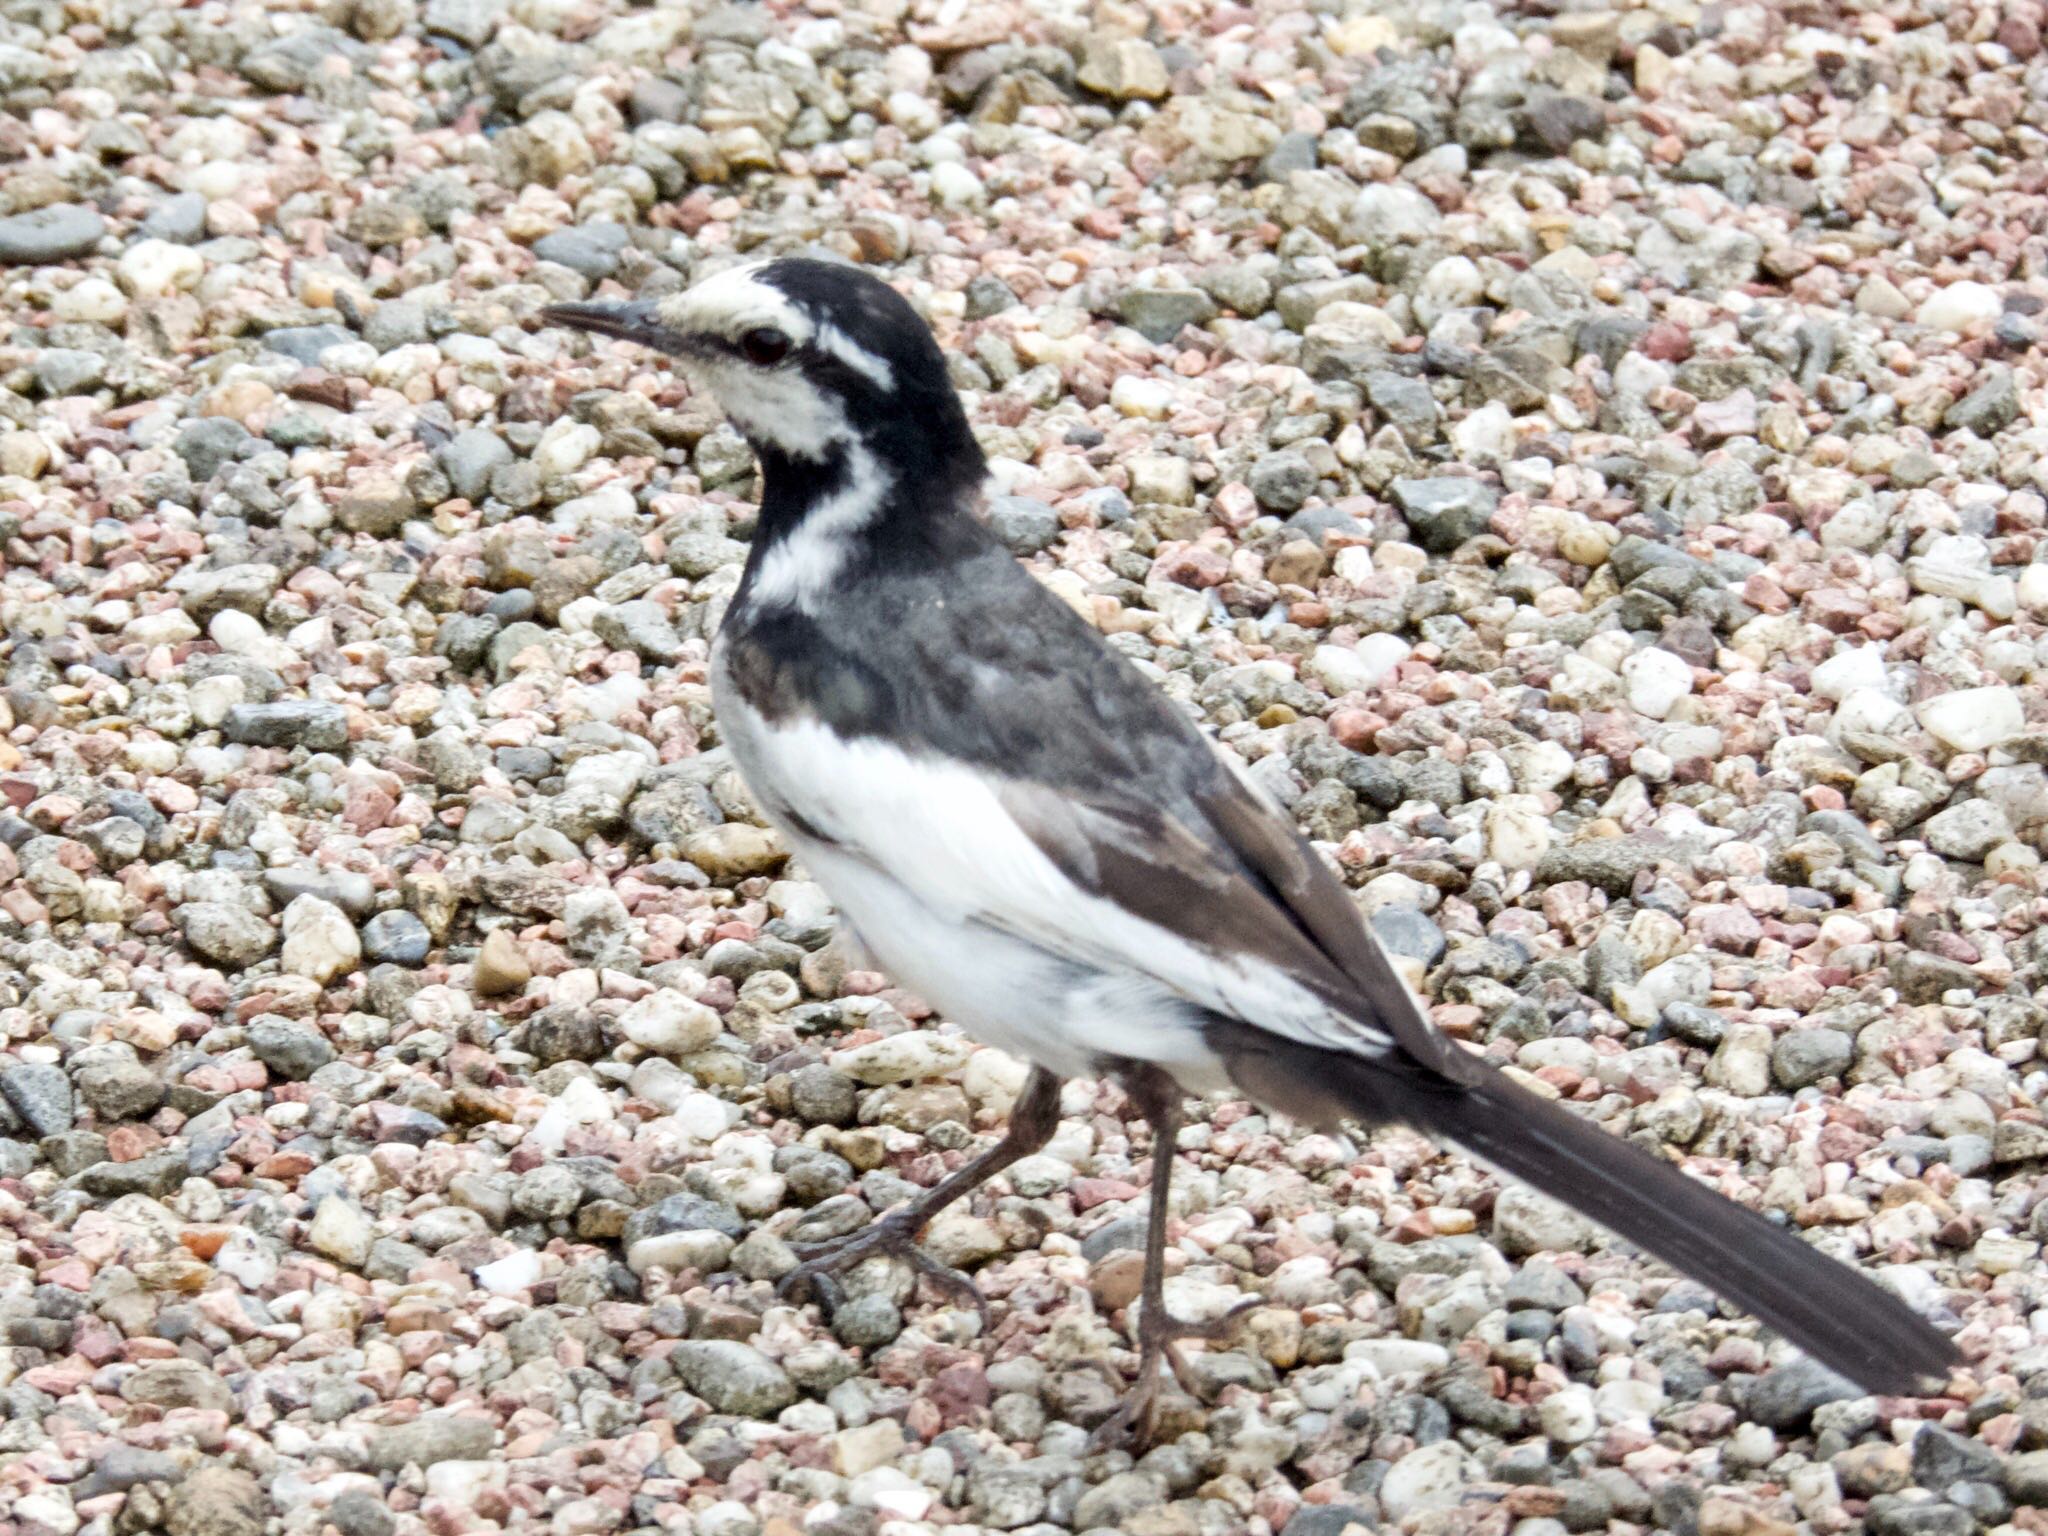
column 1026, row 832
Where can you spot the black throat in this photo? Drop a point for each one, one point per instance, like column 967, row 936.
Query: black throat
column 920, row 471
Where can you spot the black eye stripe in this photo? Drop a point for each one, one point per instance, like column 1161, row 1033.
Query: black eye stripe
column 764, row 346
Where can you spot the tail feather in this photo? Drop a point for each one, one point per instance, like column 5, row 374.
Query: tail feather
column 1835, row 1314
column 1829, row 1310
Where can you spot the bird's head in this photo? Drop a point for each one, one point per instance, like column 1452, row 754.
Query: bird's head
column 810, row 360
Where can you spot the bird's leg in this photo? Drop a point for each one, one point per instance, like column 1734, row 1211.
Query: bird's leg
column 1032, row 1122
column 1159, row 1332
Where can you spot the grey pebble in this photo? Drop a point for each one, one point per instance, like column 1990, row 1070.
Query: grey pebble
column 308, row 723
column 40, row 1094
column 46, row 235
column 396, row 936
column 1025, row 525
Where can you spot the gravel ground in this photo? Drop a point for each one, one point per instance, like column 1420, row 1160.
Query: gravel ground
column 1589, row 462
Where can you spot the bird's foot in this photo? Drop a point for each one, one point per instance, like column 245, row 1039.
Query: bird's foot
column 1160, row 1335
column 892, row 1236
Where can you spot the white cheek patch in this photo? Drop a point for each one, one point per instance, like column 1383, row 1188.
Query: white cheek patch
column 784, row 410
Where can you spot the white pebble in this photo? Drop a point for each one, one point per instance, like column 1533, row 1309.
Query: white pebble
column 565, row 448
column 1961, row 307
column 671, row 1024
column 955, row 186
column 319, row 940
column 1656, row 681
column 149, row 269
column 1136, row 395
column 1972, row 719
column 515, row 1272
column 1844, row 672
column 340, row 1230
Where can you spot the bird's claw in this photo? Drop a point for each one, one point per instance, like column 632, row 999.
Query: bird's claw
column 891, row 1236
column 1159, row 1337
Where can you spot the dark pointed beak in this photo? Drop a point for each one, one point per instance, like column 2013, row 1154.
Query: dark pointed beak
column 639, row 323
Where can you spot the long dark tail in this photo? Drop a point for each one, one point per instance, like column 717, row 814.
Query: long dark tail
column 1829, row 1310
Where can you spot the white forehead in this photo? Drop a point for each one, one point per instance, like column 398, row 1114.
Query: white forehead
column 731, row 303
column 735, row 301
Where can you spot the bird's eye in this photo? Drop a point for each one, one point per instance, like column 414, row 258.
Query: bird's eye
column 764, row 347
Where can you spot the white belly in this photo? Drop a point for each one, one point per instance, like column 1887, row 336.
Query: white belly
column 1005, row 990
column 1008, row 993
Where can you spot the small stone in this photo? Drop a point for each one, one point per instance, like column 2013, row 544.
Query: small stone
column 867, row 1322
column 1556, row 121
column 43, row 236
column 1973, row 719
column 1968, row 831
column 213, row 1500
column 1526, row 1222
column 500, row 966
column 377, row 507
column 733, row 1377
column 209, row 445
column 40, row 1094
column 734, row 850
column 360, row 1512
column 430, row 1440
column 1282, row 481
column 155, row 269
column 304, row 343
column 1444, row 513
column 119, row 1088
column 1785, row 1398
column 1989, row 408
column 591, row 250
column 1803, row 1057
column 1406, row 931
column 1122, row 68
column 1880, row 298
column 398, row 937
column 1961, row 307
column 470, row 458
column 1024, row 524
column 180, row 218
column 670, row 1024
column 226, row 933
column 177, row 1384
column 1431, row 1477
column 1158, row 314
column 318, row 727
column 641, row 627
column 342, row 1231
column 319, row 940
column 821, row 1095
column 909, row 1057
column 547, row 1193
column 292, row 1049
column 862, row 1449
column 1656, row 681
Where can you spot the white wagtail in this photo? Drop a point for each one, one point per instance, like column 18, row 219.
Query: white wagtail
column 1028, row 835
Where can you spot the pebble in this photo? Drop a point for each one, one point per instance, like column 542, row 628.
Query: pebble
column 1444, row 513
column 1973, row 719
column 320, row 942
column 1656, row 681
column 55, row 233
column 397, row 937
column 1960, row 307
column 501, row 966
column 733, row 1377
